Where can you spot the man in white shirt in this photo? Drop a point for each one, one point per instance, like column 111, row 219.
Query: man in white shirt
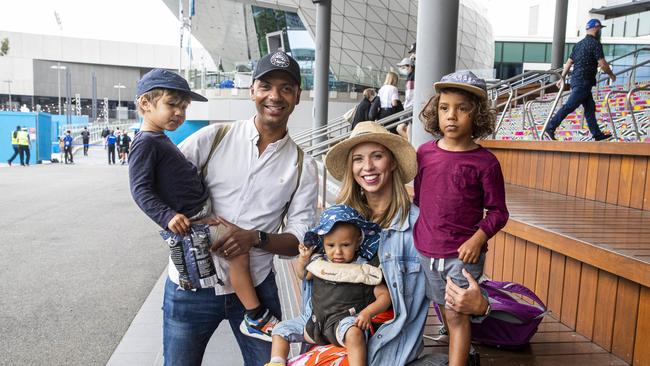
column 252, row 176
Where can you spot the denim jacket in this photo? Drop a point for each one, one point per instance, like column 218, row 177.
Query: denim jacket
column 398, row 341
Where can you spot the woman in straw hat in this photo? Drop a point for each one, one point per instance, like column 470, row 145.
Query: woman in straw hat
column 373, row 166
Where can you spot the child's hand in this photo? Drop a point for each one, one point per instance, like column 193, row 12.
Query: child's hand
column 179, row 224
column 305, row 252
column 363, row 320
column 470, row 251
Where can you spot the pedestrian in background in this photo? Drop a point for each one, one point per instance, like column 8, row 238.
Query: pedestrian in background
column 24, row 143
column 67, row 147
column 61, row 149
column 368, row 108
column 85, row 137
column 110, row 143
column 586, row 57
column 15, row 146
column 123, row 142
column 105, row 133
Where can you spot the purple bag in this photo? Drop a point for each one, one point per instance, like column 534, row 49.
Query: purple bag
column 511, row 322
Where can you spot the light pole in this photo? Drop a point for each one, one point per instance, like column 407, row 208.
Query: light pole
column 9, row 85
column 119, row 88
column 58, row 69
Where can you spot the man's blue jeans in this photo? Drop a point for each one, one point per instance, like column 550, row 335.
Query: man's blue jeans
column 190, row 318
column 580, row 94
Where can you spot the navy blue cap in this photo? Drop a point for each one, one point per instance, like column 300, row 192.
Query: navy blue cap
column 277, row 61
column 165, row 79
column 593, row 23
column 371, row 232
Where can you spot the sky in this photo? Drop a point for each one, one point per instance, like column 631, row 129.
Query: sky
column 139, row 21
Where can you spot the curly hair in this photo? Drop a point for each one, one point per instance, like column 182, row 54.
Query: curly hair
column 483, row 117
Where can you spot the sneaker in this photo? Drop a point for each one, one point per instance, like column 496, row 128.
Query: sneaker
column 275, row 364
column 9, row 162
column 259, row 328
column 549, row 135
column 443, row 335
column 604, row 136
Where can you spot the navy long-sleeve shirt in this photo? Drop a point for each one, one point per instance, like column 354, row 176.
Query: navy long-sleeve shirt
column 163, row 182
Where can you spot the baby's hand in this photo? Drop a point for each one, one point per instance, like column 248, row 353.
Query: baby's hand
column 305, row 252
column 179, row 224
column 363, row 321
column 470, row 251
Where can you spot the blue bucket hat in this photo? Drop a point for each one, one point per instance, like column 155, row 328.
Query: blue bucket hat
column 165, row 79
column 463, row 79
column 593, row 23
column 344, row 213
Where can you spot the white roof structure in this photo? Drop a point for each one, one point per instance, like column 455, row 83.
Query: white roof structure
column 368, row 37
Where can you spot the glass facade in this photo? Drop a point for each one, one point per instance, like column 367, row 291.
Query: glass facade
column 633, row 25
column 509, row 58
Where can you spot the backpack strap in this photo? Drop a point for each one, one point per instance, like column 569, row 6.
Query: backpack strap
column 221, row 133
column 299, row 162
column 513, row 288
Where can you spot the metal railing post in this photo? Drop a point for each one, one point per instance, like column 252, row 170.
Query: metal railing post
column 324, row 199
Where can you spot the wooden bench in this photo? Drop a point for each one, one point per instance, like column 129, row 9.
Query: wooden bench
column 578, row 236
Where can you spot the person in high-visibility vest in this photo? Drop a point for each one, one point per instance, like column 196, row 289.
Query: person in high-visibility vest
column 14, row 144
column 24, row 143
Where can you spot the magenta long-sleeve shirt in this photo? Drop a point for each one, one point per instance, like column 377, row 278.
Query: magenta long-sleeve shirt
column 452, row 190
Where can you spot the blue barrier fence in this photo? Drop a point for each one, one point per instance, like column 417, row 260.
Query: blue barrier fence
column 44, row 127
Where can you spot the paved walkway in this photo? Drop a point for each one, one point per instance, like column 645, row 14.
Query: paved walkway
column 79, row 261
column 141, row 345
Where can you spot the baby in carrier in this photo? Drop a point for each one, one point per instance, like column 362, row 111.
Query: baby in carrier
column 346, row 291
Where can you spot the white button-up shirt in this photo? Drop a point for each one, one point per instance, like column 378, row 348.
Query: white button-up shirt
column 251, row 190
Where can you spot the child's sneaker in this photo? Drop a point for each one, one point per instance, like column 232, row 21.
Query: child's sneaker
column 259, row 328
column 275, row 364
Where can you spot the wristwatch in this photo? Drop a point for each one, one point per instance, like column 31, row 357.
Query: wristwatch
column 263, row 239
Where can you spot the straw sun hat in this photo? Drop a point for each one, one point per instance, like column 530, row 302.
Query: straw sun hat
column 336, row 159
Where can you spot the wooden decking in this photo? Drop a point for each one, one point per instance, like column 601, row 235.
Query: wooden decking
column 607, row 236
column 553, row 344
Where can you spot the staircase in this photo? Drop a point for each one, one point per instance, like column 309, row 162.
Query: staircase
column 574, row 127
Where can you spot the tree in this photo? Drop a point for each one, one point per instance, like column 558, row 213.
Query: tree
column 4, row 47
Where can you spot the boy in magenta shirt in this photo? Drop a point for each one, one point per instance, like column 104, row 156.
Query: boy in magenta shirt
column 457, row 180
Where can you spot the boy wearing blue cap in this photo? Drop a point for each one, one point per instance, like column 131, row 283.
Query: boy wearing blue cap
column 346, row 292
column 586, row 57
column 171, row 191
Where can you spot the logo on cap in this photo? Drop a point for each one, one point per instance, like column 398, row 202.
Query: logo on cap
column 280, row 59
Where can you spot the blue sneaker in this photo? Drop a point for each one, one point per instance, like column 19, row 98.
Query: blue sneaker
column 259, row 328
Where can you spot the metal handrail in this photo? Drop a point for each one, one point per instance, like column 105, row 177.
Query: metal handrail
column 528, row 112
column 637, row 51
column 336, row 121
column 628, row 102
column 528, row 106
column 389, row 122
column 609, row 109
column 507, row 104
column 633, row 67
column 550, row 114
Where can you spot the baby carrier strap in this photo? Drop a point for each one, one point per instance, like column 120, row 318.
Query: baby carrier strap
column 346, row 272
